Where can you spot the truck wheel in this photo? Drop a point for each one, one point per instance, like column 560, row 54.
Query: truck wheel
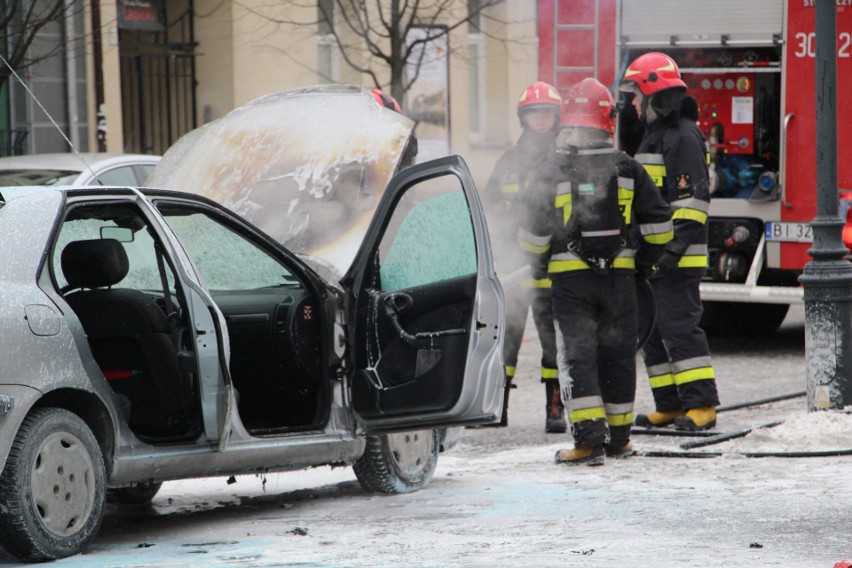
column 52, row 490
column 741, row 319
column 398, row 463
column 136, row 494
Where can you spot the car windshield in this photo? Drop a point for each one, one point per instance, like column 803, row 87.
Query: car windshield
column 37, row 177
column 307, row 166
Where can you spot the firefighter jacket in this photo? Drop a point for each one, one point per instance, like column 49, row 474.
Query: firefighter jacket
column 504, row 196
column 641, row 218
column 675, row 156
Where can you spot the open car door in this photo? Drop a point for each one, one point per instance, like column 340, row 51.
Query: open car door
column 426, row 309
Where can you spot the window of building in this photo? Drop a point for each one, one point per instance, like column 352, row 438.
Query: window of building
column 326, row 68
column 476, row 72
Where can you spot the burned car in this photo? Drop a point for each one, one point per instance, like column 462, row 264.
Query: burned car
column 152, row 335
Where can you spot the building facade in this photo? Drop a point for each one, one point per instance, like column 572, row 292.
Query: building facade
column 137, row 75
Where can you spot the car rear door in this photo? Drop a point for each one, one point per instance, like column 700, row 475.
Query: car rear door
column 425, row 306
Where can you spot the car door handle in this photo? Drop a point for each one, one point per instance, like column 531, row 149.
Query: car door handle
column 397, row 303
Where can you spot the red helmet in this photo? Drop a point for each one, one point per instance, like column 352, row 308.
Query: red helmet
column 386, row 100
column 589, row 105
column 539, row 96
column 654, row 72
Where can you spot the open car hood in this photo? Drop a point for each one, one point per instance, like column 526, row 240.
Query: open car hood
column 307, row 166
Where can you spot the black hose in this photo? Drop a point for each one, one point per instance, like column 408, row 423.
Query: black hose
column 645, row 286
column 726, row 436
column 761, row 401
column 684, row 454
column 670, row 432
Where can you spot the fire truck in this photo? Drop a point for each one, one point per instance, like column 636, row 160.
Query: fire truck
column 751, row 68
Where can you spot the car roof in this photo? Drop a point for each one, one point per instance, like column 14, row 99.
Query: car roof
column 73, row 162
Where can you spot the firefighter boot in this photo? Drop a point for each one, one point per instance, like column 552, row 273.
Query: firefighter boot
column 581, row 456
column 702, row 418
column 617, row 449
column 555, row 422
column 657, row 419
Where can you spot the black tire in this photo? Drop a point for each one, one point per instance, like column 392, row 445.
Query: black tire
column 52, row 490
column 741, row 319
column 398, row 463
column 136, row 494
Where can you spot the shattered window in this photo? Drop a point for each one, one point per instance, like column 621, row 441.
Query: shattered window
column 434, row 240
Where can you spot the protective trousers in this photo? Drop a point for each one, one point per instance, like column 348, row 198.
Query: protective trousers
column 517, row 307
column 596, row 322
column 676, row 354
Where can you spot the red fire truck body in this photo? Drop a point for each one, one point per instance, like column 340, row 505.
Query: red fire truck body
column 751, row 67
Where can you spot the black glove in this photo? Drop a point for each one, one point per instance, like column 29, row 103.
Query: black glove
column 644, row 269
column 667, row 265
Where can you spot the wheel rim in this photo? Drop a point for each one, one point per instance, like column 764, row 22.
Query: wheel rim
column 411, row 450
column 63, row 483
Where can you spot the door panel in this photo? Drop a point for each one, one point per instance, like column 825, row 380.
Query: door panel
column 427, row 306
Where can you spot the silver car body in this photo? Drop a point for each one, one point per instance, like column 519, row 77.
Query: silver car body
column 86, row 168
column 45, row 358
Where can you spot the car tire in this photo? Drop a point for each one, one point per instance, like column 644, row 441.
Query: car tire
column 737, row 319
column 136, row 494
column 53, row 487
column 398, row 463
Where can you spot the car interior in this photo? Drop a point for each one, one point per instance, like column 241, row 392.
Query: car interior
column 110, row 267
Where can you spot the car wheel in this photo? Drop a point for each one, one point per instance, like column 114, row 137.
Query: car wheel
column 398, row 463
column 731, row 319
column 52, row 489
column 136, row 494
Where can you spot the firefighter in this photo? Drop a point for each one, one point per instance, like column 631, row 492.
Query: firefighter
column 673, row 151
column 595, row 218
column 539, row 112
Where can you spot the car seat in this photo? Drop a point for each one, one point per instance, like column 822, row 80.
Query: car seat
column 130, row 338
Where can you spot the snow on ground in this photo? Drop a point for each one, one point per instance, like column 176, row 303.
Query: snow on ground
column 498, row 500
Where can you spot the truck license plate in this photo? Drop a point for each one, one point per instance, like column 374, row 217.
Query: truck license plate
column 789, row 232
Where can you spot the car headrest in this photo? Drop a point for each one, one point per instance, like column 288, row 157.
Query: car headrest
column 95, row 263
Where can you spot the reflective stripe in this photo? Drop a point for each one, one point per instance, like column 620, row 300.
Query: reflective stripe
column 594, row 151
column 692, row 262
column 690, row 215
column 556, row 266
column 510, row 371
column 659, row 381
column 533, row 239
column 660, row 369
column 655, row 166
column 619, row 419
column 585, row 402
column 692, row 203
column 699, row 374
column 660, row 239
column 563, row 200
column 625, row 183
column 535, row 249
column 587, row 414
column 695, row 256
column 693, row 250
column 618, row 408
column 625, row 198
column 548, row 373
column 691, row 363
column 538, row 283
column 690, row 209
column 650, row 159
column 657, row 174
column 509, row 188
column 607, row 233
column 536, row 244
column 657, row 233
column 655, row 228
